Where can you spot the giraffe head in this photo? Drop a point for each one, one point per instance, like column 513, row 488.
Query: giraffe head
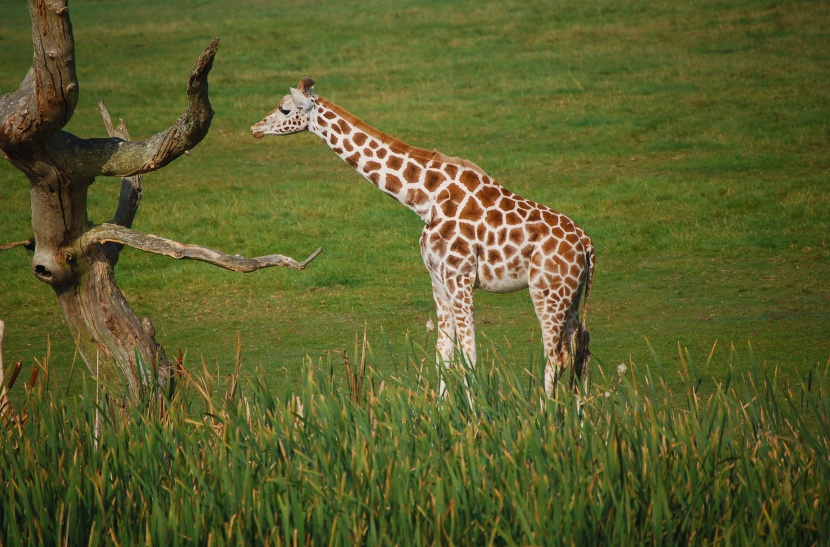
column 291, row 115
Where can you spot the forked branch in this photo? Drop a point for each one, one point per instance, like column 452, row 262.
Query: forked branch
column 123, row 158
column 112, row 233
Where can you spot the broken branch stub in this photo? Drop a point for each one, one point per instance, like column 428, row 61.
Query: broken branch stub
column 130, row 196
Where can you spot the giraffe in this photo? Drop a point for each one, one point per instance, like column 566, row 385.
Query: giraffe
column 477, row 234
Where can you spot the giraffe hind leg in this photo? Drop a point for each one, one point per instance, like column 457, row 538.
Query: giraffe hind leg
column 551, row 311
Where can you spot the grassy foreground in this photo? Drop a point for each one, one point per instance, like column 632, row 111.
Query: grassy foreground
column 388, row 463
column 689, row 139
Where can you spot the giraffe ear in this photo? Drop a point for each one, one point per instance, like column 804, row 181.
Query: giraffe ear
column 300, row 99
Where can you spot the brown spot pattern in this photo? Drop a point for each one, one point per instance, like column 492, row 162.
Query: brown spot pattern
column 456, row 194
column 344, row 126
column 472, row 210
column 447, row 229
column 460, row 246
column 494, row 218
column 393, row 184
column 416, row 197
column 488, row 196
column 394, row 162
column 517, row 235
column 412, row 172
column 470, row 180
column 449, row 208
column 467, row 230
column 353, row 159
column 481, row 231
column 433, row 179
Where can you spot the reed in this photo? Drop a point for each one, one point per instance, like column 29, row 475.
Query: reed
column 747, row 462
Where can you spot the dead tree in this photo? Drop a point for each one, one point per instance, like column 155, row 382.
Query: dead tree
column 72, row 255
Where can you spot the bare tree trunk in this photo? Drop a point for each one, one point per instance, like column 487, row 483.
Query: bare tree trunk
column 70, row 254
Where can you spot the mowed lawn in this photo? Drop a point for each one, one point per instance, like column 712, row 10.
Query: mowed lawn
column 689, row 139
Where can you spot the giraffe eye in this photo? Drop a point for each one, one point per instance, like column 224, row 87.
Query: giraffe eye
column 285, row 111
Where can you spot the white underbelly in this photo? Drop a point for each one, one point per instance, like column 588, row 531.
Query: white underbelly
column 488, row 280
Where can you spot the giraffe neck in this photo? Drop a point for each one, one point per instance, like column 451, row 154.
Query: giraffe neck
column 410, row 175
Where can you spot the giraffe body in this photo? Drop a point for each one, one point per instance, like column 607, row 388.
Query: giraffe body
column 477, row 233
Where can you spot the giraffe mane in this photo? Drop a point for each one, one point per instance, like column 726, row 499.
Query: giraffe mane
column 396, row 145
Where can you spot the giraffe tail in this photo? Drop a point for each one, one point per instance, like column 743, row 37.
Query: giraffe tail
column 587, row 280
column 582, row 355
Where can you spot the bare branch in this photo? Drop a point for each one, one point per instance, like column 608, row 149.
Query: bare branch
column 29, row 244
column 119, row 157
column 112, row 233
column 46, row 98
column 130, row 196
column 120, row 131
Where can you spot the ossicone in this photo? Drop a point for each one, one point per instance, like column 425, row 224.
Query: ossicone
column 306, row 86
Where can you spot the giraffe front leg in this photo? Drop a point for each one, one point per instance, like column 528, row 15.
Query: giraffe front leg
column 462, row 308
column 445, row 342
column 461, row 293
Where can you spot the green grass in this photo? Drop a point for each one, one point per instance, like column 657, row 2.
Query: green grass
column 690, row 140
column 747, row 464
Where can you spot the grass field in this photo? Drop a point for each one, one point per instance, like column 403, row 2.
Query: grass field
column 690, row 140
